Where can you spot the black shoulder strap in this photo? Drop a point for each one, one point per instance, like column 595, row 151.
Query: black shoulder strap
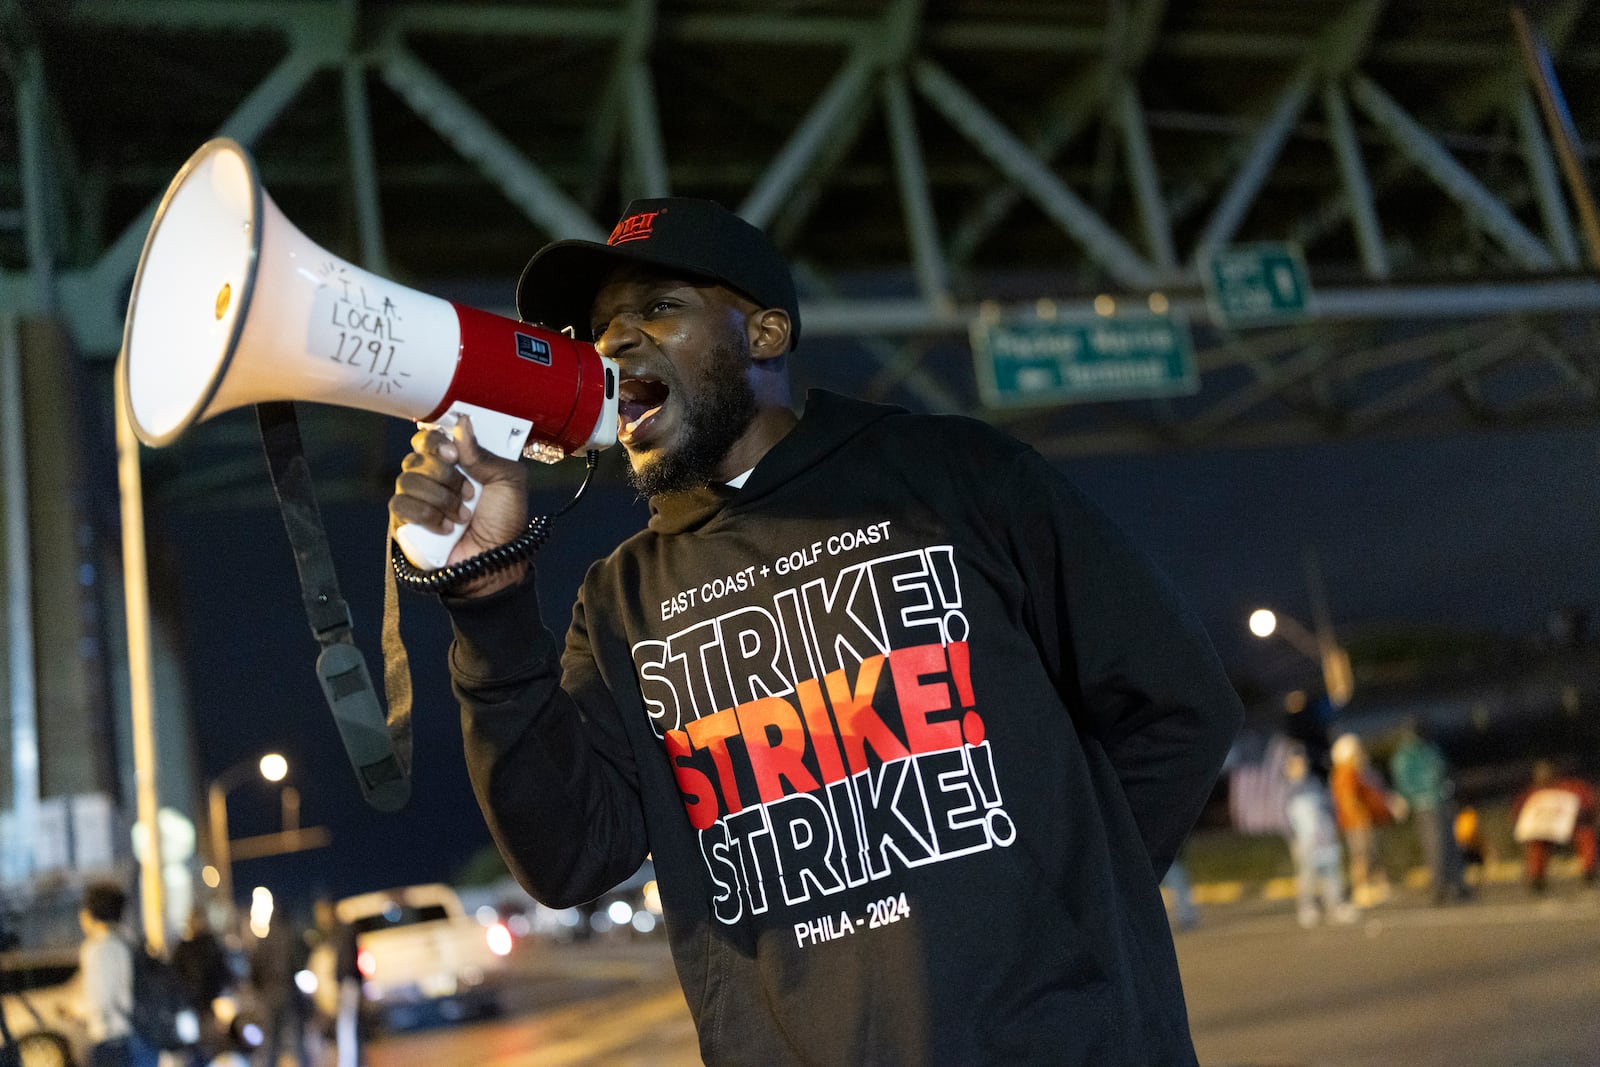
column 379, row 748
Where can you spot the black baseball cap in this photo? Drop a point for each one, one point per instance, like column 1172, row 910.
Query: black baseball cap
column 699, row 237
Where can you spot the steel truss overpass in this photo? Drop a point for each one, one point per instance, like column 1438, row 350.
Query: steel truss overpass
column 924, row 162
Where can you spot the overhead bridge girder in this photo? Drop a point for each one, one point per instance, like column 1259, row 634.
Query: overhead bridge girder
column 922, row 162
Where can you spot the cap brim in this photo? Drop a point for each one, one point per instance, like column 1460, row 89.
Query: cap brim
column 558, row 286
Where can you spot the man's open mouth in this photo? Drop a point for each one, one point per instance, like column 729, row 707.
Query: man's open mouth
column 637, row 400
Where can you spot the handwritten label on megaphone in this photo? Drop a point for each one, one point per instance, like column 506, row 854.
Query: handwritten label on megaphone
column 394, row 345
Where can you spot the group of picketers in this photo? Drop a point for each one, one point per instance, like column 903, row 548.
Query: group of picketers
column 1337, row 824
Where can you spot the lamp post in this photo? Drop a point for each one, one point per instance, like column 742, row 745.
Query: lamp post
column 273, row 768
column 1320, row 647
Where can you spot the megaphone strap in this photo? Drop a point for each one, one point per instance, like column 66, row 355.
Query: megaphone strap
column 379, row 746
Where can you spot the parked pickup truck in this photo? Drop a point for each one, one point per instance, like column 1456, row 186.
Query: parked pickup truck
column 421, row 956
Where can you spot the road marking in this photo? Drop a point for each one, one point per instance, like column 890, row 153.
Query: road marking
column 622, row 1027
column 1374, row 922
column 1486, row 914
column 1500, row 872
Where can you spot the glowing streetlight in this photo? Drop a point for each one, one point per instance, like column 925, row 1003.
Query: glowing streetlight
column 273, row 767
column 1320, row 647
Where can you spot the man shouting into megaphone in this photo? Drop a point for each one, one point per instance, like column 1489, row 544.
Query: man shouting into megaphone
column 909, row 728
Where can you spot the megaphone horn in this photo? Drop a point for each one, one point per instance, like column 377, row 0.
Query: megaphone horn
column 233, row 306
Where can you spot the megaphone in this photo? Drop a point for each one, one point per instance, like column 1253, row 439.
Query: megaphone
column 233, row 306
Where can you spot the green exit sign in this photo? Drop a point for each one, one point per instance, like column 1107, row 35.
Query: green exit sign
column 1257, row 284
column 1070, row 360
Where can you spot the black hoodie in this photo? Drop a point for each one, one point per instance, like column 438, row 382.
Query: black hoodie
column 910, row 731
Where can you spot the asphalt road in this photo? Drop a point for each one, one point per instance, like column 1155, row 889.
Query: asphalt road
column 607, row 1002
column 1503, row 981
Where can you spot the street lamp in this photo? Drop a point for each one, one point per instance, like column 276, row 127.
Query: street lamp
column 273, row 767
column 1320, row 647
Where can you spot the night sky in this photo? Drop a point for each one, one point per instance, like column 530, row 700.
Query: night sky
column 1482, row 532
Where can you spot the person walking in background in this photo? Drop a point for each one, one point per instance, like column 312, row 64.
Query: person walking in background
column 1361, row 802
column 1476, row 849
column 1176, row 882
column 1314, row 846
column 1422, row 777
column 1554, row 812
column 202, row 964
column 105, row 965
column 337, row 1001
column 284, row 1009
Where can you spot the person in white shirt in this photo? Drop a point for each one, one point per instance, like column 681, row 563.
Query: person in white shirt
column 105, row 964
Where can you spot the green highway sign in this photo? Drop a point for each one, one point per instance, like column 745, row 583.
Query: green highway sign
column 1069, row 360
column 1257, row 284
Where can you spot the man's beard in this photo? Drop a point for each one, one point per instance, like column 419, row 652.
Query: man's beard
column 719, row 413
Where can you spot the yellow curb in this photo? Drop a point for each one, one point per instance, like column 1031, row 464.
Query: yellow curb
column 1218, row 893
column 1278, row 889
column 1283, row 888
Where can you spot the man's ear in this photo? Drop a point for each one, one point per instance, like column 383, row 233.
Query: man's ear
column 768, row 331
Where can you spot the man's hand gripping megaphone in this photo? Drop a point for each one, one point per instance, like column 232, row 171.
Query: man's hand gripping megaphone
column 454, row 492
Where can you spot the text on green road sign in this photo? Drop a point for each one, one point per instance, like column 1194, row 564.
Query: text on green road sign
column 1030, row 361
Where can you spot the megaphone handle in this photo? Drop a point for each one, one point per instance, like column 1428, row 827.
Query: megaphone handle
column 504, row 435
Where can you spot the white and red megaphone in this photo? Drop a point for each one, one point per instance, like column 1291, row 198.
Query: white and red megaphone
column 233, row 306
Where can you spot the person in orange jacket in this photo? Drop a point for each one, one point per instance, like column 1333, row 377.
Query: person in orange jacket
column 1361, row 802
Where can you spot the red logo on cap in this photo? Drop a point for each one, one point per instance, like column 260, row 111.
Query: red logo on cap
column 633, row 228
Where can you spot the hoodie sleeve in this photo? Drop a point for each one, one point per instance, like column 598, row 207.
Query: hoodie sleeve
column 545, row 749
column 1131, row 661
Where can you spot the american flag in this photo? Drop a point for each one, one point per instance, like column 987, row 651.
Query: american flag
column 1257, row 789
